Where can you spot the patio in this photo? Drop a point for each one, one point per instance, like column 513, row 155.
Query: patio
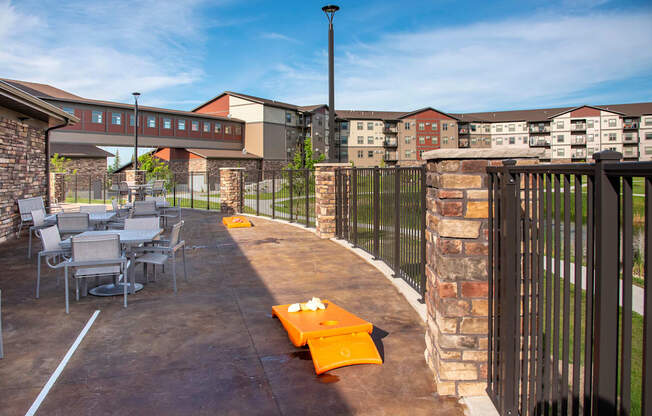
column 214, row 348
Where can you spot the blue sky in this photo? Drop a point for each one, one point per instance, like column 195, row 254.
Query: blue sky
column 453, row 55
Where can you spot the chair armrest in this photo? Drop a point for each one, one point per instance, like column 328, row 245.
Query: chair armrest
column 120, row 260
column 179, row 245
column 151, row 249
column 54, row 252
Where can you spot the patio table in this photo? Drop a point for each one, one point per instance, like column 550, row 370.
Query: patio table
column 127, row 238
column 101, row 217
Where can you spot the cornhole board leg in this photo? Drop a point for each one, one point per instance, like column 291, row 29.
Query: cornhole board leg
column 342, row 350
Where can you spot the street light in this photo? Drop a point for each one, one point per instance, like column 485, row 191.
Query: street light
column 136, row 95
column 330, row 13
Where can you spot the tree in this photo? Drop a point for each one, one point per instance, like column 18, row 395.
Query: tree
column 59, row 164
column 155, row 167
column 116, row 163
column 303, row 158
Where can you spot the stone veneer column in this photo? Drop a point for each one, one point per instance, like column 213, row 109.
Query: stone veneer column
column 231, row 198
column 57, row 187
column 325, row 198
column 456, row 265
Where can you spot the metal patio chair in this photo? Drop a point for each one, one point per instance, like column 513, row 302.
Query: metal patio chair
column 25, row 207
column 144, row 209
column 124, row 190
column 158, row 187
column 121, row 214
column 94, row 256
column 71, row 223
column 55, row 255
column 39, row 221
column 162, row 252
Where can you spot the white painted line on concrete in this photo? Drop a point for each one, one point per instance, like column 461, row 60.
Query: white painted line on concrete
column 53, row 378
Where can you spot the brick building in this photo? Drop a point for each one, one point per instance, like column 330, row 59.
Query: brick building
column 26, row 123
column 83, row 158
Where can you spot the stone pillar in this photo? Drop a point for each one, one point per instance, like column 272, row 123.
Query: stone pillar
column 137, row 177
column 231, row 198
column 456, row 265
column 57, row 187
column 325, row 198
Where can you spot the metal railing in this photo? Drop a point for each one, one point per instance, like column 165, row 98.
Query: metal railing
column 287, row 194
column 382, row 211
column 565, row 333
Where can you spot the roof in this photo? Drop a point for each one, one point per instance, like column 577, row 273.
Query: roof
column 425, row 109
column 49, row 92
column 369, row 115
column 222, row 154
column 259, row 100
column 24, row 102
column 78, row 150
column 634, row 109
column 311, row 108
column 541, row 114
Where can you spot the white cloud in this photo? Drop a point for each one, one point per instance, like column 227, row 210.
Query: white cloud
column 488, row 65
column 101, row 50
column 279, row 36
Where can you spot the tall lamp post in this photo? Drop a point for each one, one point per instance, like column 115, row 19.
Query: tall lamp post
column 330, row 13
column 136, row 95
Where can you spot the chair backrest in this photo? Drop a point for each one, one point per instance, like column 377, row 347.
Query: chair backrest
column 93, row 208
column 145, row 208
column 96, row 247
column 38, row 216
column 73, row 222
column 156, row 199
column 51, row 238
column 175, row 233
column 27, row 205
column 158, row 185
column 142, row 223
column 114, row 205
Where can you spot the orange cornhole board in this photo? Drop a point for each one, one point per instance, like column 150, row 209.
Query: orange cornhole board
column 236, row 222
column 336, row 337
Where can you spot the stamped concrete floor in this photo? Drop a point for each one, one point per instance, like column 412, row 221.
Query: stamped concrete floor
column 213, row 349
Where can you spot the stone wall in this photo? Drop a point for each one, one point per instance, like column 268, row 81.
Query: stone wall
column 231, row 197
column 325, row 198
column 456, row 266
column 87, row 165
column 23, row 161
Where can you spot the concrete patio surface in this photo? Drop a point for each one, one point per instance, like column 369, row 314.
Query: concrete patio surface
column 214, row 348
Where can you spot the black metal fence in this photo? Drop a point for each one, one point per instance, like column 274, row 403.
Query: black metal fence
column 199, row 190
column 382, row 211
column 566, row 242
column 281, row 194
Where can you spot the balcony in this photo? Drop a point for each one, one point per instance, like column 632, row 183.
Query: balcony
column 541, row 141
column 463, row 130
column 463, row 143
column 578, row 126
column 578, row 154
column 390, row 130
column 630, row 138
column 578, row 139
column 633, row 125
column 390, row 143
column 390, row 156
column 539, row 129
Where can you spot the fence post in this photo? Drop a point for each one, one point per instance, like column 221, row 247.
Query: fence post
column 605, row 361
column 354, row 193
column 397, row 221
column 174, row 189
column 307, row 175
column 192, row 190
column 258, row 179
column 508, row 309
column 338, row 203
column 90, row 186
column 291, row 173
column 273, row 194
column 208, row 191
column 76, row 178
column 104, row 189
column 376, row 219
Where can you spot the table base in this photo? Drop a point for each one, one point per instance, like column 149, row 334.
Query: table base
column 111, row 289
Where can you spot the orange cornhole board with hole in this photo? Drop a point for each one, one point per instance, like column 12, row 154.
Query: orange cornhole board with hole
column 336, row 337
column 236, row 222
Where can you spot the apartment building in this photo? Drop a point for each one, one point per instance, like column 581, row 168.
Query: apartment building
column 431, row 129
column 274, row 130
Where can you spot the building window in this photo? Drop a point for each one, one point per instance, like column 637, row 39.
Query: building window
column 420, row 154
column 344, row 125
column 407, row 154
column 360, row 125
column 151, row 122
column 116, row 118
column 131, row 120
column 435, row 140
column 97, row 117
column 207, row 127
column 612, row 122
column 589, row 137
column 648, row 150
column 512, row 140
column 288, row 117
column 370, row 126
column 444, row 126
column 589, row 124
column 360, row 139
column 370, row 139
column 560, row 124
column 612, row 137
column 422, row 140
column 227, row 129
column 238, row 131
column 560, row 138
column 499, row 141
column 560, row 152
column 433, row 126
column 360, row 154
column 422, row 126
column 218, row 127
column 499, row 129
column 648, row 121
column 344, row 139
column 408, row 139
column 69, row 110
column 445, row 140
column 181, row 124
column 511, row 127
column 194, row 125
column 370, row 153
column 167, row 123
column 407, row 125
column 648, row 135
column 473, row 127
column 524, row 140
